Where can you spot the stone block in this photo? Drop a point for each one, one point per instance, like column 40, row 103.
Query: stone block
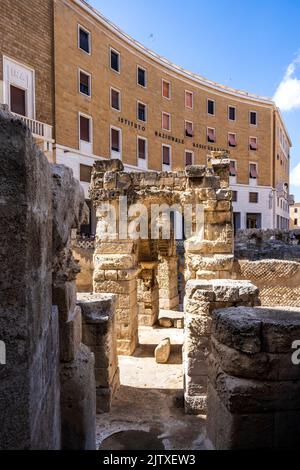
column 115, row 262
column 78, row 402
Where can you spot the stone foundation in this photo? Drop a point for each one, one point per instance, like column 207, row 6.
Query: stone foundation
column 99, row 333
column 202, row 298
column 47, row 386
column 254, row 387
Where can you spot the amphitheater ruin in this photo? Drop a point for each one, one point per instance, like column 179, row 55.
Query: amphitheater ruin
column 156, row 344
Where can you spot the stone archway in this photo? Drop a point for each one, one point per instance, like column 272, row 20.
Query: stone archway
column 128, row 266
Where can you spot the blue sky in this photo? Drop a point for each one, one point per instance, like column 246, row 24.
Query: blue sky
column 253, row 46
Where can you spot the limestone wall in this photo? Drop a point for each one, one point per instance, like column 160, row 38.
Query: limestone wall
column 29, row 382
column 47, row 386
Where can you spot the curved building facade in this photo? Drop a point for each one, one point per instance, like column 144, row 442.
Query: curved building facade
column 113, row 98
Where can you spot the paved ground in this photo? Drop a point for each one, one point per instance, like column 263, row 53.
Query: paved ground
column 148, row 410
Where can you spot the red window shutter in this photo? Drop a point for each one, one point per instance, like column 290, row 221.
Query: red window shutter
column 115, row 99
column 211, row 135
column 84, row 129
column 115, row 140
column 188, row 158
column 232, row 140
column 142, row 149
column 232, row 169
column 253, row 144
column 17, row 100
column 189, row 129
column 166, row 156
column 253, row 171
column 166, row 121
column 188, row 99
column 166, row 89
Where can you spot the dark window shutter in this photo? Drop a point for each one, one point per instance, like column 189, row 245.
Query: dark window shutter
column 166, row 156
column 142, row 149
column 84, row 129
column 17, row 100
column 115, row 140
column 85, row 173
column 84, row 42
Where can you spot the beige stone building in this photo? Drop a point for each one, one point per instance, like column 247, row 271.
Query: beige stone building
column 116, row 99
column 295, row 216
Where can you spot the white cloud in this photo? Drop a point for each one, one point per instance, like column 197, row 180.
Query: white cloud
column 295, row 176
column 287, row 96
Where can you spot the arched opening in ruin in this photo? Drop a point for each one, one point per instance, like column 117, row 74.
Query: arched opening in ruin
column 149, row 243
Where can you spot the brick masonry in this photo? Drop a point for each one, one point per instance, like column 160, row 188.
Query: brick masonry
column 26, row 35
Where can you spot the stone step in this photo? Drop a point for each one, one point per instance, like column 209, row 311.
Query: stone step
column 176, row 318
column 154, row 335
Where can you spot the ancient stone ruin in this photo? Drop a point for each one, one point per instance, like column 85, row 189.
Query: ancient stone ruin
column 67, row 354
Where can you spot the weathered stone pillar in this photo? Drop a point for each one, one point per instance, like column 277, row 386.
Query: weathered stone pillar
column 209, row 255
column 99, row 333
column 202, row 298
column 167, row 274
column 116, row 259
column 29, row 381
column 148, row 294
column 116, row 272
column 254, row 384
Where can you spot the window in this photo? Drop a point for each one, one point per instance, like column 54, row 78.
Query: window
column 142, row 112
column 189, row 99
column 253, row 144
column 86, row 173
column 296, row 222
column 189, row 129
column 166, row 121
column 142, row 148
column 211, row 107
column 17, row 100
column 85, row 129
column 166, row 155
column 115, row 140
column 231, row 113
column 253, row 171
column 253, row 118
column 234, row 196
column 296, row 210
column 166, row 89
column 141, row 77
column 84, row 40
column 115, row 99
column 232, row 170
column 253, row 198
column 84, row 83
column 189, row 158
column 253, row 221
column 211, row 135
column 231, row 139
column 114, row 60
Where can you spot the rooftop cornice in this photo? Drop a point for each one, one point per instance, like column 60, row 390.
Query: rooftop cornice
column 168, row 64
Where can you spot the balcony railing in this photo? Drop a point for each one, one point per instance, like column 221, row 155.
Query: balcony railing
column 40, row 130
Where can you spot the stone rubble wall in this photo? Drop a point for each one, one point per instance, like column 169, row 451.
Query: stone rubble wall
column 77, row 377
column 254, row 387
column 202, row 299
column 99, row 335
column 277, row 280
